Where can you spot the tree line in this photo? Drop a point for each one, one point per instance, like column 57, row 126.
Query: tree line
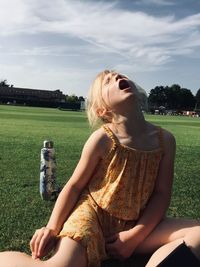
column 169, row 97
column 173, row 98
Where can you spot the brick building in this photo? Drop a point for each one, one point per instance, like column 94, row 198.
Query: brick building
column 32, row 97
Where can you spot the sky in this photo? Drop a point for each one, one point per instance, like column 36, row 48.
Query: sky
column 64, row 44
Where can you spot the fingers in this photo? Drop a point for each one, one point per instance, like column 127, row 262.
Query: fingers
column 114, row 252
column 111, row 250
column 111, row 239
column 42, row 243
column 33, row 244
column 112, row 247
column 110, row 244
column 39, row 242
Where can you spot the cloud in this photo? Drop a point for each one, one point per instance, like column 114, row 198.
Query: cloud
column 42, row 51
column 135, row 37
column 156, row 2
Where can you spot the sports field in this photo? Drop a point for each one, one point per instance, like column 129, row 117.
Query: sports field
column 22, row 131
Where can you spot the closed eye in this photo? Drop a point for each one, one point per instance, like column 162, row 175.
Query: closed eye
column 107, row 80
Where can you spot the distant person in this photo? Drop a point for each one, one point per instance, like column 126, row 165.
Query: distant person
column 115, row 203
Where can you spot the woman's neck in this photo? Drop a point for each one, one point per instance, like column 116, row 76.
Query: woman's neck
column 130, row 121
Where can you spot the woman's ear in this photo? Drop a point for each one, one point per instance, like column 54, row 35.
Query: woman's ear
column 104, row 114
column 101, row 112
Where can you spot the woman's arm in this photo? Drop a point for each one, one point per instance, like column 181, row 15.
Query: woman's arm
column 161, row 197
column 69, row 195
column 127, row 241
column 90, row 157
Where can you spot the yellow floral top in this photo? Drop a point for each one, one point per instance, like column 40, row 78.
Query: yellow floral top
column 125, row 178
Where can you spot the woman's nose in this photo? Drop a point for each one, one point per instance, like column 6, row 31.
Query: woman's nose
column 118, row 76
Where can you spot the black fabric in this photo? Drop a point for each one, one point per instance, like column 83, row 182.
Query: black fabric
column 182, row 256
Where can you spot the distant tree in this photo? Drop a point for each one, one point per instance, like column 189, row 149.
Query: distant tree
column 81, row 98
column 157, row 97
column 197, row 98
column 173, row 97
column 4, row 83
column 72, row 98
column 187, row 99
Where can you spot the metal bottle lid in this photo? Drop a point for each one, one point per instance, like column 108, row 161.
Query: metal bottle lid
column 48, row 144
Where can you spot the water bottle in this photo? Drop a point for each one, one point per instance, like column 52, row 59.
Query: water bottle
column 48, row 188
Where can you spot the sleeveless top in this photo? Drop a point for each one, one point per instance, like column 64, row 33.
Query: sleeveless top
column 124, row 179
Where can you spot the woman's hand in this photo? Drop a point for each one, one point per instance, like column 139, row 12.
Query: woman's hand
column 120, row 245
column 42, row 242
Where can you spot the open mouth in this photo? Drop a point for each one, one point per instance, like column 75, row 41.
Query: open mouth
column 123, row 84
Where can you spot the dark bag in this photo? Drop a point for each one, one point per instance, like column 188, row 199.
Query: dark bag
column 181, row 256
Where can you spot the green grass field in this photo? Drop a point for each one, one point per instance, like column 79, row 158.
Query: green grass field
column 22, row 131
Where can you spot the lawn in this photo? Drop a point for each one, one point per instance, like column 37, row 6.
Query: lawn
column 22, row 131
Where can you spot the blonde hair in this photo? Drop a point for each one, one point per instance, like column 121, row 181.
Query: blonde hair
column 95, row 101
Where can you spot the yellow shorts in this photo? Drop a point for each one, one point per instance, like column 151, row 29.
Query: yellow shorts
column 89, row 224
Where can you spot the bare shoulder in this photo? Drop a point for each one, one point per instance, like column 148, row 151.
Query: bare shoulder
column 169, row 142
column 168, row 137
column 99, row 142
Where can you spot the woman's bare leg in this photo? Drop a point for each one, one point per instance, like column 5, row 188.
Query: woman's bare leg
column 168, row 235
column 69, row 254
column 18, row 259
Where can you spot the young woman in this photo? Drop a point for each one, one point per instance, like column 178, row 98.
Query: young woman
column 114, row 204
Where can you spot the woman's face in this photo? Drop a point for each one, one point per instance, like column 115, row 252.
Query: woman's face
column 117, row 89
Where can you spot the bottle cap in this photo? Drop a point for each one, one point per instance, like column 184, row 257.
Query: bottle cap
column 48, row 144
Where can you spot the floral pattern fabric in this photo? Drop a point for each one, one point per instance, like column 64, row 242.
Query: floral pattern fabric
column 115, row 197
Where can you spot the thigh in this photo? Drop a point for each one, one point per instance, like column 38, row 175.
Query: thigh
column 168, row 230
column 69, row 253
column 18, row 259
column 84, row 226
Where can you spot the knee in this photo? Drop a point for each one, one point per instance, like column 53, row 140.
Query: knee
column 194, row 232
column 192, row 240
